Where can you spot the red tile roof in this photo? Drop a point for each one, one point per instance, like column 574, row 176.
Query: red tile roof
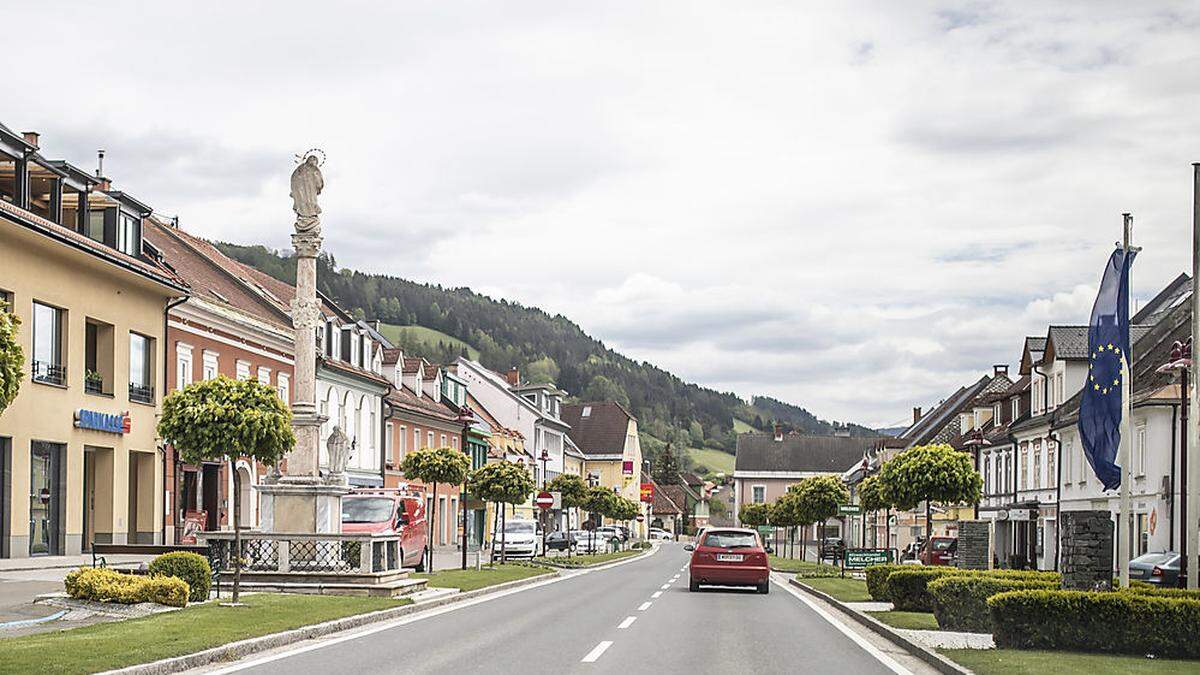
column 603, row 431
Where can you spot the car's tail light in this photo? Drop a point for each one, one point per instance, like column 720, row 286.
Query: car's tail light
column 1156, row 572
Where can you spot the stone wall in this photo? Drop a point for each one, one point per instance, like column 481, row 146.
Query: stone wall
column 974, row 545
column 1087, row 550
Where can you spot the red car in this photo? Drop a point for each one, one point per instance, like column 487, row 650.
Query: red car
column 942, row 551
column 729, row 557
column 390, row 511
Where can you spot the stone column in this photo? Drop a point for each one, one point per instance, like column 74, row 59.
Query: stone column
column 1087, row 550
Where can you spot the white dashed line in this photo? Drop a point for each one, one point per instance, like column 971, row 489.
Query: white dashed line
column 644, row 606
column 657, row 595
column 597, row 651
column 627, row 622
column 666, row 586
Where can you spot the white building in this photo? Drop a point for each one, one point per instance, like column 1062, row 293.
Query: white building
column 350, row 391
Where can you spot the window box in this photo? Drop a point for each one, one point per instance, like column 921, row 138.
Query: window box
column 141, row 394
column 49, row 373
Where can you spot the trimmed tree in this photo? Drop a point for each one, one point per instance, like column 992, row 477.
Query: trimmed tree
column 930, row 473
column 436, row 465
column 573, row 490
column 502, row 483
column 787, row 513
column 819, row 498
column 12, row 359
column 873, row 497
column 754, row 515
column 225, row 419
column 600, row 501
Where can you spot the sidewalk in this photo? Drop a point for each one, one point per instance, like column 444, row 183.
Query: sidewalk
column 68, row 562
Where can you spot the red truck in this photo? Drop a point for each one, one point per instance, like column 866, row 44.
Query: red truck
column 390, row 511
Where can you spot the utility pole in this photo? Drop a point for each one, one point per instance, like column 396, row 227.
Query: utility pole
column 1192, row 515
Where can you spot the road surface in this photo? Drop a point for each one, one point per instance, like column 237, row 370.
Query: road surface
column 638, row 617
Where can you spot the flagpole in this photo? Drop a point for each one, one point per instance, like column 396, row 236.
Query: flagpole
column 1125, row 522
column 1192, row 517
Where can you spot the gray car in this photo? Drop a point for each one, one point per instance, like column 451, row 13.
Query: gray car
column 1159, row 567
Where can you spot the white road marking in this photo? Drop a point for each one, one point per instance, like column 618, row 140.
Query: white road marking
column 644, row 606
column 597, row 651
column 666, row 586
column 675, row 578
column 627, row 622
column 657, row 595
column 858, row 639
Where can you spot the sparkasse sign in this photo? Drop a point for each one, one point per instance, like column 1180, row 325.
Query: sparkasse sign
column 98, row 421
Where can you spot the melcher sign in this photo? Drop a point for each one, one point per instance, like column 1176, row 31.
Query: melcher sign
column 98, row 421
column 860, row 558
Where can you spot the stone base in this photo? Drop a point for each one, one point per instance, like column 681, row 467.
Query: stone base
column 300, row 504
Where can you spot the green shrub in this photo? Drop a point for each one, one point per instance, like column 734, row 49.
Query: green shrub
column 191, row 567
column 1119, row 622
column 907, row 589
column 1150, row 589
column 960, row 602
column 877, row 576
column 105, row 585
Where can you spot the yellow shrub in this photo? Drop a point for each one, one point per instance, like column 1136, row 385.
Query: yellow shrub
column 105, row 585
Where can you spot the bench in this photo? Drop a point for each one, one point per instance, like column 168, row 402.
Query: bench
column 100, row 550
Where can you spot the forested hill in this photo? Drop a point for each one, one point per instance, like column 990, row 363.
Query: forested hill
column 544, row 347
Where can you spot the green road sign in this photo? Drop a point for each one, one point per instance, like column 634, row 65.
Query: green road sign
column 860, row 558
column 766, row 530
column 850, row 509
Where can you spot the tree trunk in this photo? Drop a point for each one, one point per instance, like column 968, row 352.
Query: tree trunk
column 503, row 538
column 928, row 526
column 495, row 530
column 237, row 531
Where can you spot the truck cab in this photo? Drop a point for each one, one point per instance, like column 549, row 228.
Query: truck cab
column 386, row 511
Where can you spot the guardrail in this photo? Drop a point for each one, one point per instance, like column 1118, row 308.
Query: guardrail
column 284, row 553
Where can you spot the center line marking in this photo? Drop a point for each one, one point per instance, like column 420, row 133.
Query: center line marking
column 627, row 622
column 644, row 606
column 597, row 651
column 666, row 586
column 657, row 595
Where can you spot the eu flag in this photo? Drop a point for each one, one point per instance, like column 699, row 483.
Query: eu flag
column 1108, row 343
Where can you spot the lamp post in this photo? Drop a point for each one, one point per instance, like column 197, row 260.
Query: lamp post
column 975, row 442
column 545, row 460
column 465, row 418
column 1181, row 362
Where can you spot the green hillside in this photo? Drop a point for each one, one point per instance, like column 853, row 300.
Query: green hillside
column 425, row 341
column 715, row 461
column 740, row 427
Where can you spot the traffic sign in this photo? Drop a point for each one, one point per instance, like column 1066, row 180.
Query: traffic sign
column 850, row 510
column 544, row 500
column 641, row 517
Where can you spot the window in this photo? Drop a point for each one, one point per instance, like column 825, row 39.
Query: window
column 129, row 239
column 587, row 411
column 454, row 442
column 264, row 375
column 758, row 494
column 1037, row 465
column 98, row 358
column 1016, row 407
column 996, row 414
column 141, row 364
column 987, row 475
column 1024, row 467
column 243, row 370
column 371, row 429
column 403, row 440
column 284, row 386
column 429, row 439
column 95, row 225
column 416, row 439
column 6, row 301
column 183, row 365
column 1068, row 457
column 344, row 353
column 443, row 443
column 210, row 365
column 48, row 366
column 1139, row 450
column 389, row 429
column 1052, row 463
column 329, row 339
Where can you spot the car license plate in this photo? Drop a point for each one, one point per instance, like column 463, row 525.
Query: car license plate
column 729, row 557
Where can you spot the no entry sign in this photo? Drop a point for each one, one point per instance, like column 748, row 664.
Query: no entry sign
column 544, row 500
column 641, row 518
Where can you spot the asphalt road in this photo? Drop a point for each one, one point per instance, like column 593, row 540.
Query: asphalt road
column 633, row 618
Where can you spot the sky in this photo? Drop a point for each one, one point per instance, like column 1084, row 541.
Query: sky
column 855, row 208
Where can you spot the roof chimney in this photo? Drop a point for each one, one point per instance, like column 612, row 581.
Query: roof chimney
column 100, row 163
column 778, row 432
column 31, row 137
column 513, row 376
column 916, row 414
column 1000, row 369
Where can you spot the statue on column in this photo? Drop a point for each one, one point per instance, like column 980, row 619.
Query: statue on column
column 307, row 183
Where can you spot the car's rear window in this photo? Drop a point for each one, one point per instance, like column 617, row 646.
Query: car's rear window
column 1155, row 558
column 943, row 544
column 730, row 540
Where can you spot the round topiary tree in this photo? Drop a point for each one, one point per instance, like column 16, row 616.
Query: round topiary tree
column 12, row 359
column 224, row 419
column 787, row 512
column 819, row 498
column 436, row 465
column 930, row 473
column 503, row 483
column 191, row 567
column 573, row 491
column 754, row 515
column 873, row 496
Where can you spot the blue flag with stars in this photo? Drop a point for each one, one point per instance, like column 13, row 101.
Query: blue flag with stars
column 1100, row 409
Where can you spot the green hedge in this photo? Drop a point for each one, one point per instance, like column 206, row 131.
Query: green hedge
column 960, row 602
column 908, row 589
column 191, row 567
column 877, row 576
column 105, row 585
column 1155, row 591
column 1119, row 622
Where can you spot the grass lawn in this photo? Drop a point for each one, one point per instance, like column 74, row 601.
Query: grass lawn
column 846, row 590
column 912, row 620
column 425, row 336
column 1022, row 661
column 740, row 427
column 804, row 567
column 490, row 575
column 124, row 643
column 716, row 461
column 586, row 560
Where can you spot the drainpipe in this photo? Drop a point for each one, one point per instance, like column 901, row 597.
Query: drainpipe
column 1053, row 438
column 171, row 304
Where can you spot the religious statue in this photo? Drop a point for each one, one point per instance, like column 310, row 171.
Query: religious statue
column 339, row 454
column 307, row 183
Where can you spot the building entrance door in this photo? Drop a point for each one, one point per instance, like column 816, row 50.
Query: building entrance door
column 89, row 498
column 45, row 525
column 210, row 484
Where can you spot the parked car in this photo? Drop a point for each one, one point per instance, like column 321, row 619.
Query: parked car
column 663, row 535
column 560, row 541
column 390, row 511
column 586, row 541
column 610, row 532
column 939, row 551
column 1160, row 567
column 518, row 539
column 729, row 557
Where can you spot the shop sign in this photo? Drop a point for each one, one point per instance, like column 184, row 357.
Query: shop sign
column 1020, row 514
column 850, row 510
column 627, row 467
column 647, row 493
column 861, row 558
column 98, row 421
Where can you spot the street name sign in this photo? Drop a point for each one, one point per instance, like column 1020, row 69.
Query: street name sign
column 544, row 500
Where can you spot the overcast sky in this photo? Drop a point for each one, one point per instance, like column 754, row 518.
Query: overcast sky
column 856, row 210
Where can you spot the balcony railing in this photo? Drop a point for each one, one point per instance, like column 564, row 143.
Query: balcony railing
column 49, row 373
column 140, row 393
column 93, row 386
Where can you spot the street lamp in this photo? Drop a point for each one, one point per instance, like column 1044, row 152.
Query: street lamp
column 465, row 418
column 1181, row 362
column 976, row 441
column 545, row 459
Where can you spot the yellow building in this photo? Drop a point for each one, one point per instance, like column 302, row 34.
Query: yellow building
column 79, row 439
column 607, row 436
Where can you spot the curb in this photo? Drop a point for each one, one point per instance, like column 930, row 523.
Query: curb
column 595, row 565
column 941, row 663
column 237, row 650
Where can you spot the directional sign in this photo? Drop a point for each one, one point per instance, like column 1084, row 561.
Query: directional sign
column 544, row 500
column 850, row 509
